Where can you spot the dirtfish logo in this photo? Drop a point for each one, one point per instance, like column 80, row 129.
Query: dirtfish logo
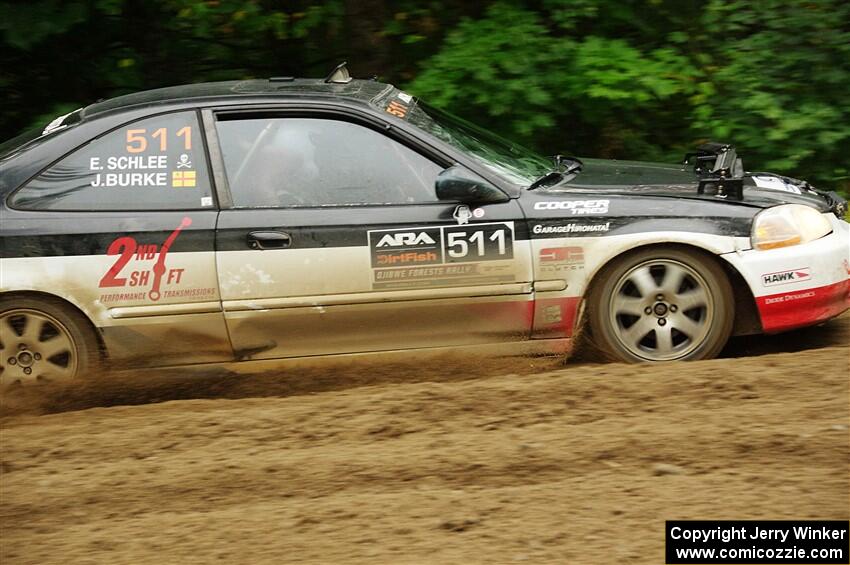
column 405, row 239
column 785, row 277
column 412, row 246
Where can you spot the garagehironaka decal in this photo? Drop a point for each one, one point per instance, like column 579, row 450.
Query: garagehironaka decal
column 571, row 228
column 441, row 255
column 128, row 249
column 576, row 207
column 785, row 277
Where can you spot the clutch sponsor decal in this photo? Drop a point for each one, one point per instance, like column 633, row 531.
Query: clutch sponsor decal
column 785, row 277
column 576, row 207
column 153, row 276
column 571, row 228
column 442, row 255
column 561, row 258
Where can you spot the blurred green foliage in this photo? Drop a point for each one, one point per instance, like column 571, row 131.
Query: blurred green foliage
column 607, row 78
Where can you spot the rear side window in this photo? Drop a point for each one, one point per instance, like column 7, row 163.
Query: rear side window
column 153, row 164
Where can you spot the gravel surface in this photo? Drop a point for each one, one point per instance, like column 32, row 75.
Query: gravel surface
column 477, row 462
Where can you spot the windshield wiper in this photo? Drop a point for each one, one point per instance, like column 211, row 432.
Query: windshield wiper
column 564, row 166
column 552, row 177
column 570, row 164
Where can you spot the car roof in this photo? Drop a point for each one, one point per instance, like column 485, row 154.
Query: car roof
column 284, row 87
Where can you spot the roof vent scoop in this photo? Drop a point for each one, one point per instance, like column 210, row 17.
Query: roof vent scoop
column 339, row 75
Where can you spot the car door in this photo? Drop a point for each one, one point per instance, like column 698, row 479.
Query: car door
column 123, row 227
column 336, row 243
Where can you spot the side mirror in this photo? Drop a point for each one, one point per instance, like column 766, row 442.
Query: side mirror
column 459, row 184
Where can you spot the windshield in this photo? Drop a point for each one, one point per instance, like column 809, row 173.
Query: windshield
column 510, row 160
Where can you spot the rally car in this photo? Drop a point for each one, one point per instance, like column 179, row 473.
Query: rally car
column 284, row 218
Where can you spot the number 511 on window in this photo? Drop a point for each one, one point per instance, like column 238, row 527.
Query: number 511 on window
column 138, row 139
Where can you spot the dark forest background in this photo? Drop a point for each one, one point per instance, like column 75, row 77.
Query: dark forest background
column 603, row 78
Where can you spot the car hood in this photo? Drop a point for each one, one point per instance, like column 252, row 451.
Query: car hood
column 635, row 178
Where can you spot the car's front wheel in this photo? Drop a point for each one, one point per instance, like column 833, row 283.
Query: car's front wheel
column 661, row 304
column 43, row 340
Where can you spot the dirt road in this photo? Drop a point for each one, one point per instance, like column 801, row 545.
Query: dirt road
column 502, row 462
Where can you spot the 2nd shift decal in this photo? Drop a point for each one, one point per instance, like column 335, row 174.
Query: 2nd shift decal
column 126, row 271
column 442, row 255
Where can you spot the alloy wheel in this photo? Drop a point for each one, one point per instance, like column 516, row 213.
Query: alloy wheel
column 35, row 346
column 661, row 310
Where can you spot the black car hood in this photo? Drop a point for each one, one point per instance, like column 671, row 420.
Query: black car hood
column 633, row 178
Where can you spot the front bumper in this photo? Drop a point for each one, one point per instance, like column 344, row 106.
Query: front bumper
column 800, row 285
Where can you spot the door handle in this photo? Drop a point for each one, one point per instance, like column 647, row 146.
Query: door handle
column 269, row 240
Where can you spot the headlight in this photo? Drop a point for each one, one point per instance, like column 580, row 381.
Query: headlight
column 790, row 224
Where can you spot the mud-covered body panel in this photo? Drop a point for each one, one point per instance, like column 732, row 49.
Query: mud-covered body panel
column 192, row 285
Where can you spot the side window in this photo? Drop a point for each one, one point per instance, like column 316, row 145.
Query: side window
column 320, row 162
column 153, row 164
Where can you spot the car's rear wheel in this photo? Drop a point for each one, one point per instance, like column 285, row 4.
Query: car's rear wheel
column 42, row 340
column 661, row 304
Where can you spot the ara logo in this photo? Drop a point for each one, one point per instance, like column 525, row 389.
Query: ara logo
column 414, row 246
column 405, row 239
column 785, row 277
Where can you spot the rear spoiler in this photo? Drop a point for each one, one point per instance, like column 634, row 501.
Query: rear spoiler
column 720, row 170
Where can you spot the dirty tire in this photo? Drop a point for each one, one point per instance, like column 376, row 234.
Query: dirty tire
column 661, row 304
column 42, row 340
